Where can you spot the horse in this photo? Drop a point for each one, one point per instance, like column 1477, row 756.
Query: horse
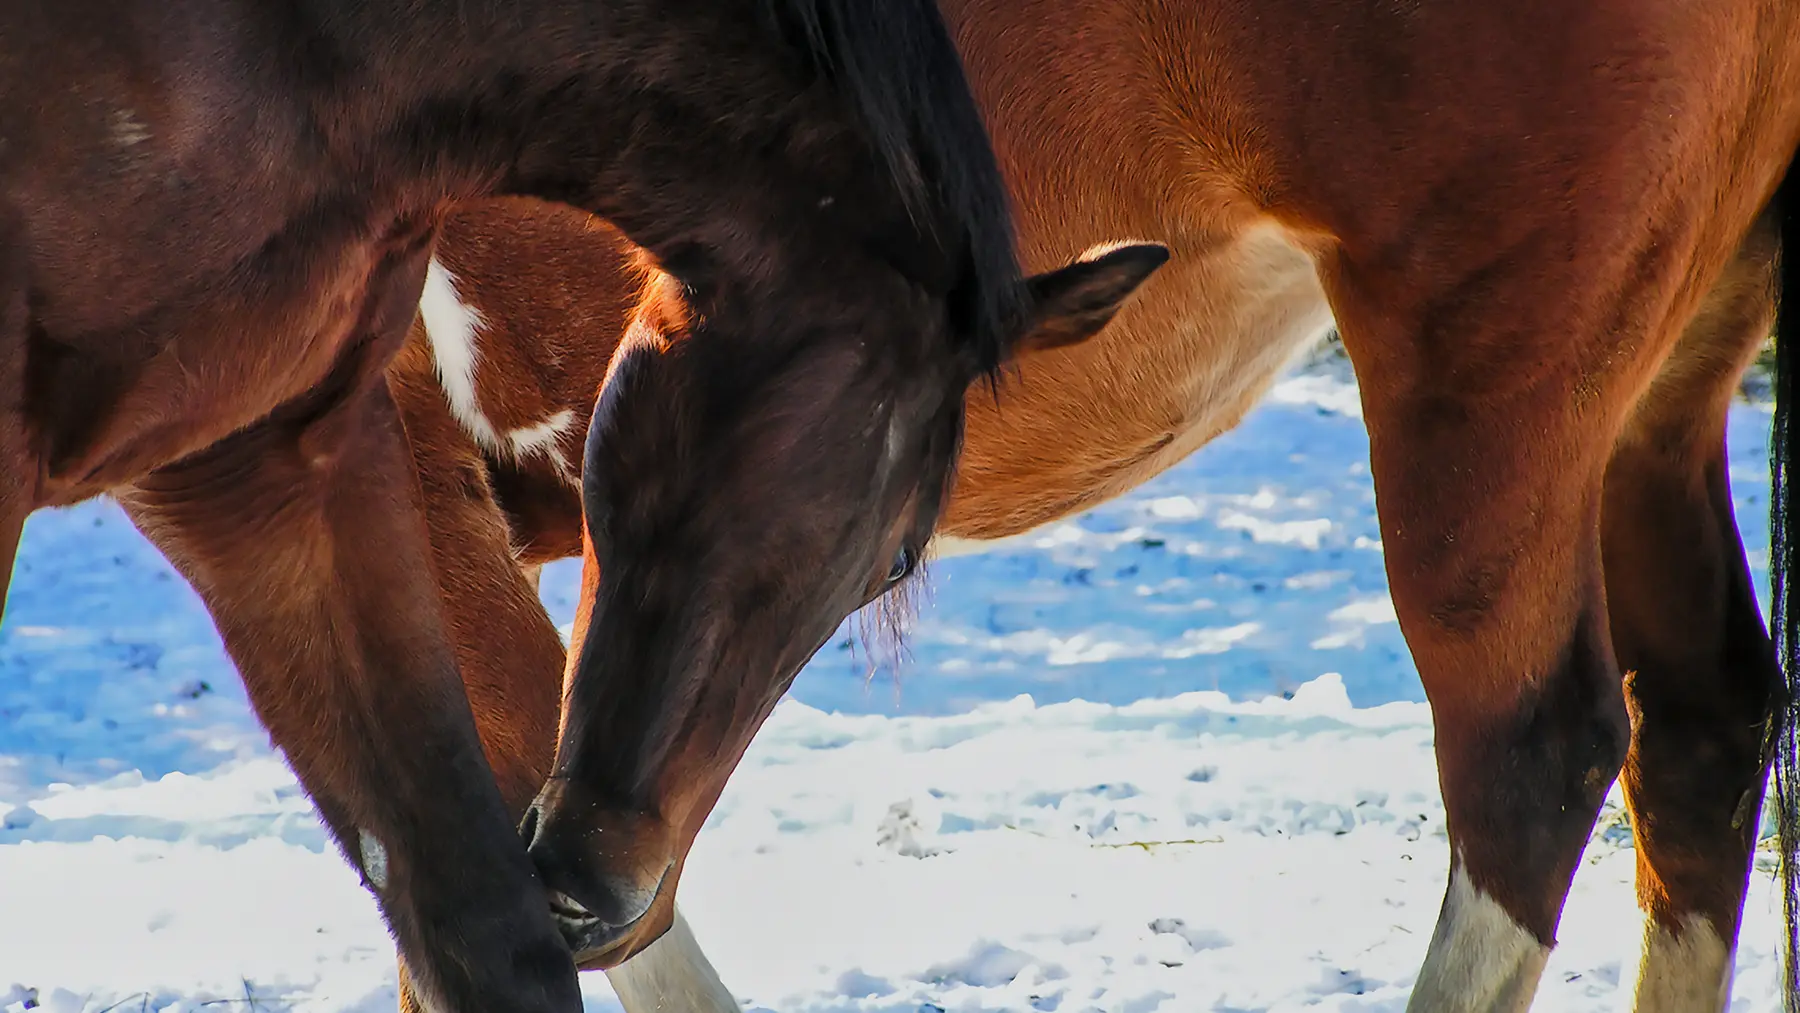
column 494, row 387
column 524, row 304
column 216, row 218
column 1549, row 236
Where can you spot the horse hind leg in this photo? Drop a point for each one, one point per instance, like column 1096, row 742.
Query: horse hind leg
column 1701, row 680
column 1491, row 431
column 672, row 973
column 1493, row 557
column 18, row 465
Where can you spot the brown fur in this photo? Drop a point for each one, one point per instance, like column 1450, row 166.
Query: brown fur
column 216, row 218
column 554, row 291
column 1538, row 244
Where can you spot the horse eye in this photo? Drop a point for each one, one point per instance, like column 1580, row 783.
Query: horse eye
column 903, row 564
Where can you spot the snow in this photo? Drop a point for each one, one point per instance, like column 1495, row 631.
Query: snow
column 1171, row 755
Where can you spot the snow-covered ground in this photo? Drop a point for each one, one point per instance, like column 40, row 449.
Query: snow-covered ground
column 1169, row 756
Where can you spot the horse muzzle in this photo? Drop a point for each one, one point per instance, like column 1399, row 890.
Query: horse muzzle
column 602, row 869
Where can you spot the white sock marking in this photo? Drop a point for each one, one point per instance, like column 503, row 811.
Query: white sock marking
column 1480, row 960
column 672, row 975
column 1686, row 973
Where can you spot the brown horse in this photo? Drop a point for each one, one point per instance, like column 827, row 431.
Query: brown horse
column 523, row 305
column 215, row 223
column 1547, row 232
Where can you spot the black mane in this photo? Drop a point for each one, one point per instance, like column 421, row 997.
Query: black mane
column 895, row 61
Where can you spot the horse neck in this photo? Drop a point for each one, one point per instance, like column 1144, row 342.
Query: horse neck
column 689, row 124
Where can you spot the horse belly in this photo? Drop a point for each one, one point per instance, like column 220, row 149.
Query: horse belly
column 1180, row 365
column 1261, row 309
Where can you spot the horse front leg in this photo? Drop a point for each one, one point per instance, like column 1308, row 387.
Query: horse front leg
column 304, row 536
column 511, row 660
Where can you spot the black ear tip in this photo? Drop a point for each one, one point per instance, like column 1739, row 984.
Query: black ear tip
column 1141, row 257
column 1152, row 255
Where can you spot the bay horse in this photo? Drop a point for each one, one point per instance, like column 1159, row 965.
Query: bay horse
column 523, row 306
column 1549, row 235
column 216, row 218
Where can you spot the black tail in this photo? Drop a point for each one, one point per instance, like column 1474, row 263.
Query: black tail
column 1784, row 568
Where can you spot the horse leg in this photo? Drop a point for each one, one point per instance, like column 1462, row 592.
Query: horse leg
column 511, row 659
column 18, row 465
column 507, row 650
column 1490, row 435
column 1493, row 556
column 672, row 974
column 1701, row 680
column 304, row 536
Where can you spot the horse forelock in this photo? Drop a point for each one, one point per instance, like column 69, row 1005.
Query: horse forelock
column 895, row 62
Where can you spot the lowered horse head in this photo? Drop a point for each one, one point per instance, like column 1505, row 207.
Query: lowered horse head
column 217, row 219
column 743, row 494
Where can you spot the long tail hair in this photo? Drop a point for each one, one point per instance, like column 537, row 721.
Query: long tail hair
column 1784, row 570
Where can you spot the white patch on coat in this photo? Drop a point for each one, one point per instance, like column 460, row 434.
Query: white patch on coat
column 374, row 859
column 126, row 129
column 454, row 328
column 545, row 439
column 896, row 439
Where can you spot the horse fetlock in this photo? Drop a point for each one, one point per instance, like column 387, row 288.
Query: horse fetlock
column 1519, row 837
column 467, row 912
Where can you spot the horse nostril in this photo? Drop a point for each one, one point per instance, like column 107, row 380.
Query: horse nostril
column 529, row 825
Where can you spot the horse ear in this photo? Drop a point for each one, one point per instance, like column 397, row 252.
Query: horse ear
column 1071, row 304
